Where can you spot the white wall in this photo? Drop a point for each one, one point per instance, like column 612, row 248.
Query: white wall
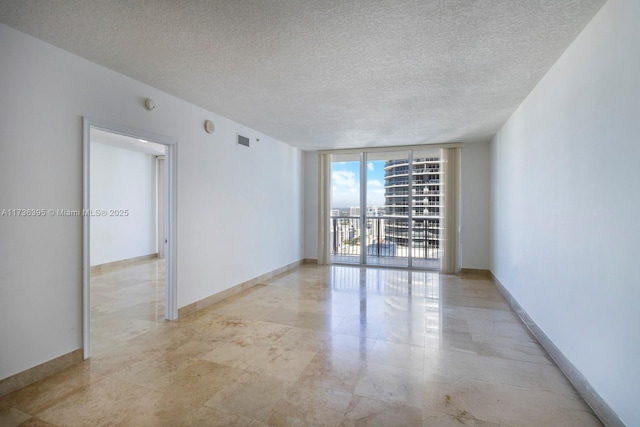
column 311, row 204
column 474, row 188
column 566, row 203
column 239, row 209
column 122, row 179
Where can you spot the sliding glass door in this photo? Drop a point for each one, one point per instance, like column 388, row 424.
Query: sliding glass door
column 427, row 209
column 345, row 220
column 387, row 215
column 387, row 208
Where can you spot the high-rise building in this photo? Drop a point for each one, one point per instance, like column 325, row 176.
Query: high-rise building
column 426, row 198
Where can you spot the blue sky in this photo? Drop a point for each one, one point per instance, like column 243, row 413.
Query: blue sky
column 345, row 184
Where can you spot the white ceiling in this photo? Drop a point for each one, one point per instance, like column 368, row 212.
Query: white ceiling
column 325, row 73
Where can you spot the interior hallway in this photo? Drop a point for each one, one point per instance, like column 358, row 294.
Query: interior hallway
column 330, row 346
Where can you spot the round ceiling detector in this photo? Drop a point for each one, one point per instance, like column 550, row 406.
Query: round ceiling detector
column 209, row 127
column 149, row 104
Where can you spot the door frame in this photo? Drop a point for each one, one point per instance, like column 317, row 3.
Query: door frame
column 170, row 226
column 160, row 202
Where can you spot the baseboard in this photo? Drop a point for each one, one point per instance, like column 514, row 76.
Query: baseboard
column 31, row 375
column 116, row 265
column 476, row 272
column 589, row 394
column 310, row 261
column 210, row 300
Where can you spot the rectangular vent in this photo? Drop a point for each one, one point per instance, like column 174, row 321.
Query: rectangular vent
column 243, row 140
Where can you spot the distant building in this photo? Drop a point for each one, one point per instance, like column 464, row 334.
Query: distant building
column 354, row 211
column 426, row 197
column 335, row 212
column 374, row 211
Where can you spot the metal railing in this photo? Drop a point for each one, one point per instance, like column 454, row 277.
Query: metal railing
column 385, row 236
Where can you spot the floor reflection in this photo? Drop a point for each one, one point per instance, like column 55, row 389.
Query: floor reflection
column 332, row 346
column 395, row 305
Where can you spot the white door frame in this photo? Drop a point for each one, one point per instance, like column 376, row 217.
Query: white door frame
column 161, row 211
column 171, row 166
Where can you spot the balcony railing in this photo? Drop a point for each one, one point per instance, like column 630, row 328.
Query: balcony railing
column 385, row 237
column 425, row 160
column 426, row 170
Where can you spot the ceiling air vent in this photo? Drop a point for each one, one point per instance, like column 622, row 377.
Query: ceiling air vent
column 243, row 140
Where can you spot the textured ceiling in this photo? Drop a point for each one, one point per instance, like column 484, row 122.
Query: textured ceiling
column 325, row 73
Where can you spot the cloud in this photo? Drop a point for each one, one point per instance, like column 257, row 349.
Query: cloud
column 375, row 193
column 371, row 167
column 345, row 189
column 344, row 178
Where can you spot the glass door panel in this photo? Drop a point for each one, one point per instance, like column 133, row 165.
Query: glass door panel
column 387, row 214
column 344, row 227
column 427, row 219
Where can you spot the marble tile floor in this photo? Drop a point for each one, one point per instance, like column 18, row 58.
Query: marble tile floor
column 317, row 346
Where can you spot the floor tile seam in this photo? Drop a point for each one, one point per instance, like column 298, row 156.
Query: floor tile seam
column 362, row 363
column 461, row 415
column 490, row 317
column 515, row 382
column 504, row 331
column 127, row 403
column 313, row 312
column 507, row 342
column 31, row 414
column 100, row 377
column 418, row 372
column 66, row 396
column 131, row 383
column 289, row 385
column 267, row 346
column 242, row 416
column 157, row 389
column 512, row 359
column 431, row 348
column 271, row 322
column 329, row 353
column 349, row 388
column 36, row 419
column 443, row 351
column 500, row 327
column 530, row 364
column 514, row 346
column 284, row 399
column 246, row 368
column 412, row 340
column 531, row 387
column 390, row 330
column 275, row 377
column 385, row 341
column 383, row 402
column 421, row 373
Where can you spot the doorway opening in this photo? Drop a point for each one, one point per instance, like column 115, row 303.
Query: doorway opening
column 129, row 233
